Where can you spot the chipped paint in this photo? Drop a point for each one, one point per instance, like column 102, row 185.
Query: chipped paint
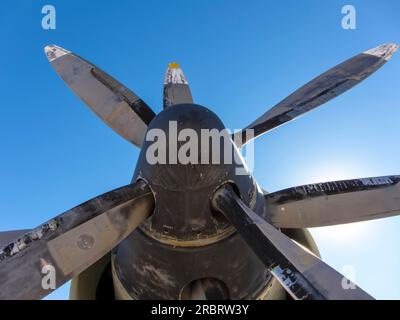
column 53, row 52
column 174, row 75
column 301, row 273
column 176, row 87
column 24, row 241
column 330, row 188
column 288, row 280
column 384, row 51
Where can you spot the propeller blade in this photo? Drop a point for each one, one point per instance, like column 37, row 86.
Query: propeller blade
column 335, row 202
column 302, row 274
column 120, row 108
column 8, row 236
column 320, row 90
column 69, row 243
column 176, row 87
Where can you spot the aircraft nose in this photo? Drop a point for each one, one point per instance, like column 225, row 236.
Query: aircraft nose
column 176, row 87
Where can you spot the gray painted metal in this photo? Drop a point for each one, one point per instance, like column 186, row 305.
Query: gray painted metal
column 302, row 274
column 72, row 241
column 120, row 108
column 322, row 89
column 158, row 259
column 149, row 269
column 183, row 191
column 176, row 87
column 336, row 202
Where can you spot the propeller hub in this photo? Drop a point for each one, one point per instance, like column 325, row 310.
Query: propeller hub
column 185, row 158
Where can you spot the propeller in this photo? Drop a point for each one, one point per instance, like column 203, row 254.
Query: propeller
column 71, row 242
column 120, row 108
column 325, row 87
column 335, row 202
column 302, row 274
column 176, row 87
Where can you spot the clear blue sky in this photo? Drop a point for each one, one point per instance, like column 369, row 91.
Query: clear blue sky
column 241, row 57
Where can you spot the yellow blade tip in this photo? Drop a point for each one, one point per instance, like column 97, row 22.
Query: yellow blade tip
column 173, row 65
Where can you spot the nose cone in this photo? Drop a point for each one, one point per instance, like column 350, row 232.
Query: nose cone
column 183, row 190
column 176, row 87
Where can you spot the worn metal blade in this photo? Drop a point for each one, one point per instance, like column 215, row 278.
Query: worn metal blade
column 120, row 108
column 176, row 87
column 335, row 202
column 8, row 236
column 46, row 257
column 320, row 90
column 301, row 273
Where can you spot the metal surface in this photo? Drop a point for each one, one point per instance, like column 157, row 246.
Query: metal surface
column 184, row 241
column 120, row 108
column 182, row 213
column 7, row 236
column 176, row 87
column 302, row 274
column 93, row 283
column 148, row 269
column 322, row 89
column 336, row 202
column 202, row 240
column 72, row 241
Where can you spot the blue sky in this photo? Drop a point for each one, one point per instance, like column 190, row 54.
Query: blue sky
column 241, row 57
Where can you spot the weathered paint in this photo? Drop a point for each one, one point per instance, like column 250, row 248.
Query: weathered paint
column 336, row 202
column 385, row 51
column 176, row 87
column 23, row 242
column 120, row 108
column 174, row 75
column 64, row 242
column 330, row 188
column 182, row 192
column 157, row 260
column 148, row 269
column 303, row 275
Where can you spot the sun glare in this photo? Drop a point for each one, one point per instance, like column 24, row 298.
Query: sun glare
column 350, row 234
